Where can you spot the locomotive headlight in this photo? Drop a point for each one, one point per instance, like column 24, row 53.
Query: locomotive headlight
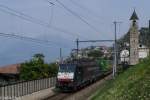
column 65, row 75
column 71, row 75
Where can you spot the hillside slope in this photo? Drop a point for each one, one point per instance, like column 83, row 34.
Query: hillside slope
column 133, row 84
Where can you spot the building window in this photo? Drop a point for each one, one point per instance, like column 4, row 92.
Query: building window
column 140, row 45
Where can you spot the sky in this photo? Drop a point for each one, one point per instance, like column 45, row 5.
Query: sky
column 95, row 21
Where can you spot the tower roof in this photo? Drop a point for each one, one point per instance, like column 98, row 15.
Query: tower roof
column 134, row 16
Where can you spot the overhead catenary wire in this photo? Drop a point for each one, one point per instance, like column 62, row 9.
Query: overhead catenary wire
column 23, row 16
column 88, row 10
column 51, row 17
column 51, row 3
column 46, row 42
column 99, row 19
column 23, row 37
column 78, row 16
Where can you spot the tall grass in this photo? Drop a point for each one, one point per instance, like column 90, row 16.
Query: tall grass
column 132, row 84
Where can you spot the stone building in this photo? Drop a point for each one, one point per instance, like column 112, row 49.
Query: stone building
column 134, row 40
column 134, row 45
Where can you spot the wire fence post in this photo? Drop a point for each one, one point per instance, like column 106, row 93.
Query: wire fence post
column 0, row 92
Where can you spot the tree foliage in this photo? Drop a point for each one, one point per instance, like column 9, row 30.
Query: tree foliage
column 36, row 68
column 95, row 53
column 104, row 64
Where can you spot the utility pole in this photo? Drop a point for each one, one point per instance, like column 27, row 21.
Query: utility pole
column 60, row 52
column 149, row 27
column 148, row 36
column 115, row 50
column 77, row 42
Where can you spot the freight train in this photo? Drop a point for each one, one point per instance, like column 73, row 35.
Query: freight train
column 79, row 73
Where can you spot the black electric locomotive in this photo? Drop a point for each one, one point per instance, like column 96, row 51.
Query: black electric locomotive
column 76, row 74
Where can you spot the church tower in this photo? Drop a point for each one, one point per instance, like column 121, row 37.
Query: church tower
column 134, row 40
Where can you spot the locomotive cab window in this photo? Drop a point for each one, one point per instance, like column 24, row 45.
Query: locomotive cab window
column 66, row 68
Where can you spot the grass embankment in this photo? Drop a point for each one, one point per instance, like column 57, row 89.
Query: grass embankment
column 132, row 84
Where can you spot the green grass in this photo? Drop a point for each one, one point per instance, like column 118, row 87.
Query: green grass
column 132, row 84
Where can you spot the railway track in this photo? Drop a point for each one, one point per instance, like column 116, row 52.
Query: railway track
column 58, row 96
column 81, row 94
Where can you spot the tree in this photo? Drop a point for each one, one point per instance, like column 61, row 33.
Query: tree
column 36, row 68
column 104, row 64
column 53, row 69
column 95, row 53
column 39, row 58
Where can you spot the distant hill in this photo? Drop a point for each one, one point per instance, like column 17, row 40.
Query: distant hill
column 133, row 84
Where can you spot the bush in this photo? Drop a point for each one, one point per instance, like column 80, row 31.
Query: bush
column 36, row 68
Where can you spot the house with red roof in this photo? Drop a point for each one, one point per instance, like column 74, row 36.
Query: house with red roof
column 9, row 73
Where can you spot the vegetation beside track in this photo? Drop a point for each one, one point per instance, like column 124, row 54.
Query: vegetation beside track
column 132, row 84
column 36, row 68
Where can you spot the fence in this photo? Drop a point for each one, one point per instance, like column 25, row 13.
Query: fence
column 11, row 91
